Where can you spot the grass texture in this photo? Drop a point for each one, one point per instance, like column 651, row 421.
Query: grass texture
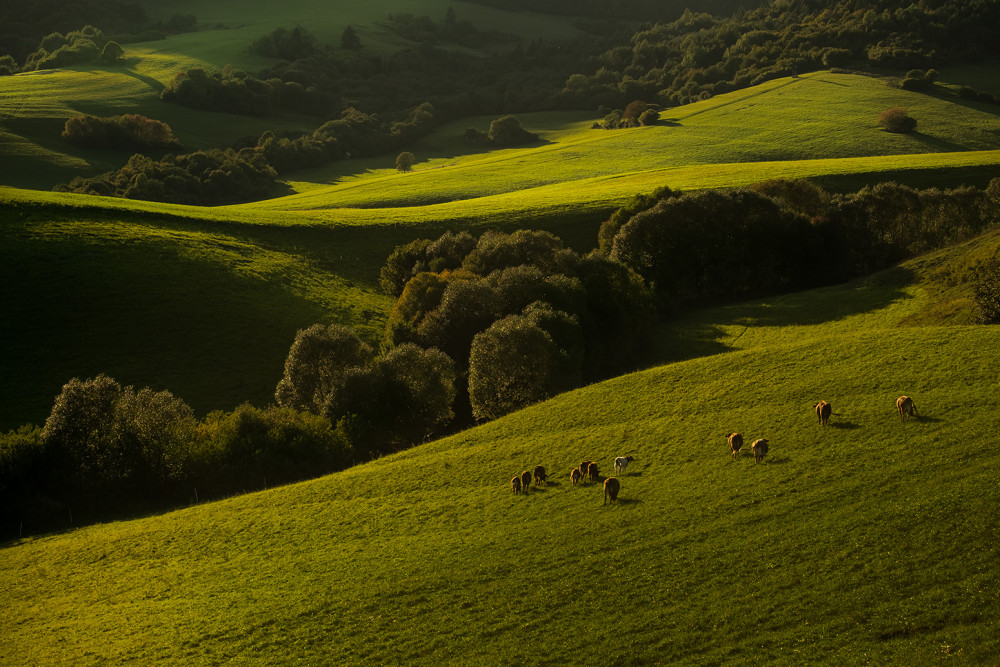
column 868, row 541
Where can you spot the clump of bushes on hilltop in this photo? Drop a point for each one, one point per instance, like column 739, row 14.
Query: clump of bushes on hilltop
column 127, row 131
column 232, row 90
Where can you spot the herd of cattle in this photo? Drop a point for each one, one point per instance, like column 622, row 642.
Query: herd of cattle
column 588, row 469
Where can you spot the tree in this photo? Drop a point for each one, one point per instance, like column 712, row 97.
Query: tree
column 507, row 131
column 511, row 366
column 112, row 53
column 349, row 39
column 316, row 364
column 897, row 120
column 404, row 161
column 109, row 437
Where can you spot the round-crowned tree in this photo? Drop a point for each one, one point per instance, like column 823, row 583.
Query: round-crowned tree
column 316, row 364
column 405, row 161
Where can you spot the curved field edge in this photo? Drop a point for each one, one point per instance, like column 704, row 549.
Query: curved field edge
column 870, row 537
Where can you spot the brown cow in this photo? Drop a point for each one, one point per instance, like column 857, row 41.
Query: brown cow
column 515, row 485
column 525, row 480
column 759, row 450
column 611, row 488
column 540, row 474
column 735, row 443
column 823, row 411
column 584, row 467
column 575, row 475
column 593, row 473
column 906, row 407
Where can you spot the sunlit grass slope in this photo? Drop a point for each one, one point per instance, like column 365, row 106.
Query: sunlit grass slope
column 820, row 124
column 204, row 309
column 868, row 541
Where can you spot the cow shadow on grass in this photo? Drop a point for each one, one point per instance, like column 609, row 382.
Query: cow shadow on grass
column 844, row 425
column 924, row 418
column 627, row 501
column 778, row 460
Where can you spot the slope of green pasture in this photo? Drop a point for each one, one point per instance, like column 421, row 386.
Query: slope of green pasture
column 867, row 541
column 819, row 116
column 34, row 108
column 205, row 310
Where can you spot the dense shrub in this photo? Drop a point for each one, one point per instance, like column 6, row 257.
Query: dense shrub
column 107, row 451
column 130, row 131
column 595, row 312
column 507, row 131
column 986, row 291
column 204, row 177
column 782, row 236
column 896, row 120
column 234, row 91
column 288, row 44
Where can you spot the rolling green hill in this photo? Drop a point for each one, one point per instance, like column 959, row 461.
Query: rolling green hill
column 870, row 540
column 315, row 255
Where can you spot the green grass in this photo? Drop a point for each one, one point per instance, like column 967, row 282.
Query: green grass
column 206, row 311
column 869, row 541
column 817, row 125
column 315, row 256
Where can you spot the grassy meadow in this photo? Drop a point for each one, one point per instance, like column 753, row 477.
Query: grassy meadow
column 867, row 541
column 315, row 255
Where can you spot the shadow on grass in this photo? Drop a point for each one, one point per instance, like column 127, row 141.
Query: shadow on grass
column 844, row 425
column 711, row 332
column 627, row 501
column 937, row 143
column 778, row 460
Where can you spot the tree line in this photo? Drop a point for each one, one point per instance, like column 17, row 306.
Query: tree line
column 46, row 33
column 250, row 172
column 699, row 55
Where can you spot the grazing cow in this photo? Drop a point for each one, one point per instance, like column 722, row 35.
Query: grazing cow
column 759, row 450
column 906, row 407
column 823, row 411
column 584, row 467
column 735, row 443
column 575, row 475
column 621, row 463
column 525, row 480
column 592, row 472
column 515, row 485
column 611, row 488
column 540, row 474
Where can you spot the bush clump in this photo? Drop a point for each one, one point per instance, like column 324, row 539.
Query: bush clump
column 897, row 120
column 130, row 131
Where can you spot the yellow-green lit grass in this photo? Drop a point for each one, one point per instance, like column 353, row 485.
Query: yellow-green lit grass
column 805, row 121
column 870, row 540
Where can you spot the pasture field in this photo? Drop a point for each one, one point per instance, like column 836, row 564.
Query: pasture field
column 868, row 541
column 814, row 125
column 206, row 310
column 331, row 240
